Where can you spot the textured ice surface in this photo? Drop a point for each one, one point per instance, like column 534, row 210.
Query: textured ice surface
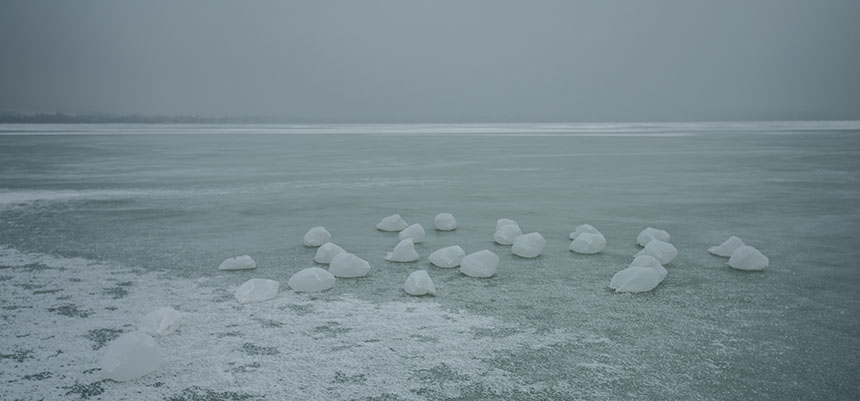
column 312, row 279
column 480, row 264
column 415, row 231
column 243, row 262
column 635, row 279
column 257, row 290
column 347, row 265
column 447, row 257
column 528, row 245
column 327, row 252
column 130, row 356
column 160, row 322
column 404, row 251
column 506, row 234
column 445, row 222
column 419, row 283
column 391, row 223
column 664, row 252
column 649, row 261
column 317, row 236
column 588, row 243
column 727, row 247
column 583, row 228
column 748, row 258
column 649, row 234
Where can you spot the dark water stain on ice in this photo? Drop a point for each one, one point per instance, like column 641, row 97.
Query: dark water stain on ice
column 18, row 356
column 246, row 368
column 480, row 332
column 84, row 391
column 196, row 393
column 102, row 336
column 301, row 310
column 269, row 323
column 332, row 329
column 54, row 291
column 253, row 349
column 116, row 292
column 343, row 378
column 70, row 310
column 39, row 376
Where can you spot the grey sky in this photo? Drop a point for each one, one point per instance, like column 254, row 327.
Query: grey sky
column 401, row 61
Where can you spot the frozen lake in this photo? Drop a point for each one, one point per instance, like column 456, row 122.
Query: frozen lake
column 102, row 224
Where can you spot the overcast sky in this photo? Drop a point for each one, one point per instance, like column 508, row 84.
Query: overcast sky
column 435, row 61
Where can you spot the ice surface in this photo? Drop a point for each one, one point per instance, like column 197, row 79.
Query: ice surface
column 727, row 248
column 445, row 222
column 505, row 222
column 257, row 290
column 528, row 245
column 419, row 283
column 649, row 261
column 243, row 262
column 664, row 252
column 447, row 257
column 748, row 258
column 506, row 234
column 317, row 236
column 415, row 231
column 404, row 251
column 160, row 322
column 327, row 252
column 347, row 265
column 583, row 228
column 312, row 279
column 588, row 243
column 649, row 234
column 635, row 279
column 480, row 264
column 130, row 356
column 392, row 223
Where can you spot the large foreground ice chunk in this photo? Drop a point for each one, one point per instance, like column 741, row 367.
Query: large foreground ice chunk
column 748, row 258
column 649, row 261
column 419, row 283
column 447, row 257
column 257, row 290
column 317, row 236
column 635, row 279
column 130, row 356
column 160, row 322
column 583, row 228
column 480, row 264
column 327, row 252
column 445, row 222
column 649, row 234
column 588, row 243
column 243, row 262
column 505, row 222
column 664, row 252
column 347, row 265
column 312, row 279
column 727, row 248
column 529, row 245
column 415, row 231
column 392, row 223
column 403, row 252
column 506, row 234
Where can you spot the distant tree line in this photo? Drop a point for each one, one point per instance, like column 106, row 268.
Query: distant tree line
column 64, row 118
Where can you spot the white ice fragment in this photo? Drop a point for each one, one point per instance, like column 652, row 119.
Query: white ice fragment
column 447, row 257
column 664, row 252
column 480, row 264
column 391, row 223
column 588, row 243
column 243, row 262
column 312, row 279
column 347, row 265
column 727, row 248
column 130, row 356
column 327, row 252
column 649, row 261
column 419, row 283
column 257, row 290
column 403, row 252
column 505, row 234
column 160, row 322
column 528, row 245
column 505, row 222
column 649, row 234
column 445, row 222
column 415, row 231
column 583, row 228
column 635, row 279
column 317, row 236
column 748, row 258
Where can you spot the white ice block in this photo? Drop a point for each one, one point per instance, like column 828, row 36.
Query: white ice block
column 257, row 290
column 583, row 228
column 447, row 257
column 506, row 234
column 312, row 279
column 415, row 231
column 649, row 234
column 480, row 264
column 160, row 322
column 391, row 223
column 588, row 243
column 403, row 252
column 347, row 265
column 748, row 258
column 419, row 283
column 243, row 262
column 649, row 261
column 528, row 245
column 727, row 248
column 130, row 356
column 664, row 252
column 635, row 279
column 317, row 236
column 445, row 222
column 327, row 252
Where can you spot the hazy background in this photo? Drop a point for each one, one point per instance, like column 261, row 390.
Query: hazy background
column 441, row 61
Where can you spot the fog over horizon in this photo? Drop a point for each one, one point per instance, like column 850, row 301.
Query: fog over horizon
column 448, row 61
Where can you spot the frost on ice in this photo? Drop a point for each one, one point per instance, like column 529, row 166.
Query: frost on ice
column 528, row 245
column 447, row 257
column 664, row 252
column 506, row 234
column 726, row 248
column 317, row 236
column 649, row 234
column 415, row 231
column 312, row 279
column 419, row 283
column 403, row 252
column 160, row 322
column 257, row 290
column 445, row 222
column 480, row 264
column 748, row 258
column 243, row 262
column 327, row 252
column 635, row 279
column 347, row 265
column 588, row 243
column 649, row 261
column 130, row 356
column 391, row 223
column 583, row 228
